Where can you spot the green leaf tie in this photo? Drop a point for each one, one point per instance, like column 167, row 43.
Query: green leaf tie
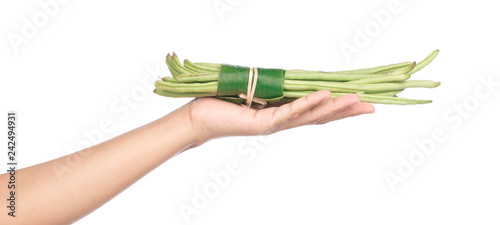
column 238, row 82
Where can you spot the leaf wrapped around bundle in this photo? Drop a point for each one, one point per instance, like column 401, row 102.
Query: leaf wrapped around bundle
column 276, row 86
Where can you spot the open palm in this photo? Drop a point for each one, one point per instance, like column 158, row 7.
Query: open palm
column 213, row 118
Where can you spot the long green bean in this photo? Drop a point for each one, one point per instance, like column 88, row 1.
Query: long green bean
column 183, row 94
column 186, row 87
column 198, row 77
column 364, row 98
column 404, row 69
column 378, row 69
column 171, row 67
column 202, row 68
column 424, row 62
column 333, row 86
column 209, row 66
column 385, row 93
column 382, row 79
column 326, row 76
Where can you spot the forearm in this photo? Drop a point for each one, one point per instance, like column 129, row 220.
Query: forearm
column 65, row 189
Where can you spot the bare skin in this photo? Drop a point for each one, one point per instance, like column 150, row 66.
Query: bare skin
column 76, row 178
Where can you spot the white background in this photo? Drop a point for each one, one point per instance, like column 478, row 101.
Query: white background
column 90, row 56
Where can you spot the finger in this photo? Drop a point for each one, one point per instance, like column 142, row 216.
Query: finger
column 323, row 110
column 353, row 110
column 292, row 110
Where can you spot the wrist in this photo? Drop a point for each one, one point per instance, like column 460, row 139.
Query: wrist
column 180, row 129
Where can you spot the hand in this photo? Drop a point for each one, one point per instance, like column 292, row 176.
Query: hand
column 213, row 118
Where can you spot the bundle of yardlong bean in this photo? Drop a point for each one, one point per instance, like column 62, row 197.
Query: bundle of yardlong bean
column 276, row 86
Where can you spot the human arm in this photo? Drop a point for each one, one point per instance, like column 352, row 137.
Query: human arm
column 50, row 196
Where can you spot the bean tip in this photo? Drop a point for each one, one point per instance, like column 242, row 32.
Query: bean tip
column 413, row 65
